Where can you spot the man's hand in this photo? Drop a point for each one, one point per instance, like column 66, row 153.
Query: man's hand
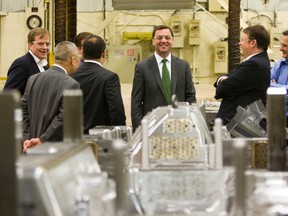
column 30, row 143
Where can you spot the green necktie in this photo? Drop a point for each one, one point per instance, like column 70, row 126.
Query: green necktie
column 166, row 82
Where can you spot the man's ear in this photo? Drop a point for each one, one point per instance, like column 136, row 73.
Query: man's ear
column 103, row 55
column 254, row 43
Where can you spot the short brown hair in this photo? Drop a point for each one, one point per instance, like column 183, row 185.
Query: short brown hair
column 36, row 32
column 80, row 37
column 160, row 27
column 260, row 34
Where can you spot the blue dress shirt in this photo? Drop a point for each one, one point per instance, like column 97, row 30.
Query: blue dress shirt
column 279, row 73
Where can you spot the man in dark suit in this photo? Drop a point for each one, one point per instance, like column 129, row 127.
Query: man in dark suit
column 42, row 102
column 34, row 61
column 148, row 91
column 251, row 78
column 103, row 104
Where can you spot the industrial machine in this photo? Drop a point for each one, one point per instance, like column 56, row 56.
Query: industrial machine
column 172, row 165
column 57, row 178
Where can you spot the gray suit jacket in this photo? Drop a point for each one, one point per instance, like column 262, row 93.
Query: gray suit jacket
column 42, row 104
column 148, row 93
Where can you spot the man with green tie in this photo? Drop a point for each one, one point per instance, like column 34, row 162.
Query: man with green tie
column 159, row 77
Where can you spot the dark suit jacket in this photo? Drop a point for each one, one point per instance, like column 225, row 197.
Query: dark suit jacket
column 147, row 92
column 248, row 83
column 19, row 72
column 103, row 104
column 42, row 104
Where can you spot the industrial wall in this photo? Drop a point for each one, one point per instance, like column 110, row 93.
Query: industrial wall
column 199, row 39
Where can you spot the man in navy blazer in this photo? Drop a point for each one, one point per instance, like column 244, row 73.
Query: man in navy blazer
column 148, row 92
column 103, row 104
column 42, row 102
column 34, row 61
column 250, row 80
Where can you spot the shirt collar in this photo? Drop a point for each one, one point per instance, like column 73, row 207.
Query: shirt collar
column 93, row 61
column 251, row 56
column 40, row 62
column 284, row 61
column 57, row 65
column 159, row 58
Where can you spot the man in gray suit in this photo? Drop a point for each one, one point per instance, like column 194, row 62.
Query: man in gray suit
column 42, row 102
column 148, row 91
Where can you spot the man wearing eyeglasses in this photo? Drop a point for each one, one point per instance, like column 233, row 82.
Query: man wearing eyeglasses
column 34, row 61
column 250, row 80
column 159, row 77
column 279, row 73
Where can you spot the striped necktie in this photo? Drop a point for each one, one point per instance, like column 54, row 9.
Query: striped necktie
column 166, row 82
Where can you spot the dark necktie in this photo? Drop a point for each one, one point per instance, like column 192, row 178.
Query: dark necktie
column 166, row 82
column 46, row 67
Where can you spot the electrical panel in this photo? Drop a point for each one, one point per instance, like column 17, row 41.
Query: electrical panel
column 177, row 26
column 122, row 60
column 194, row 32
column 221, row 57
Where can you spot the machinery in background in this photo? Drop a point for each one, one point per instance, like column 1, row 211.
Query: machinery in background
column 56, row 179
column 122, row 60
column 221, row 57
column 174, row 167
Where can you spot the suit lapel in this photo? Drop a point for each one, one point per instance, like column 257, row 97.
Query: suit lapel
column 173, row 74
column 155, row 72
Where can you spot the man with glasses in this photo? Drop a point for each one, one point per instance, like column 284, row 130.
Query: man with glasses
column 42, row 102
column 250, row 80
column 34, row 61
column 159, row 77
column 279, row 73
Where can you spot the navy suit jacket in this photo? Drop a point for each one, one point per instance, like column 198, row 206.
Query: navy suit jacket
column 246, row 84
column 147, row 91
column 103, row 104
column 19, row 72
column 42, row 104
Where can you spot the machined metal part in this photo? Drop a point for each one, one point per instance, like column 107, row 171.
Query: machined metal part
column 240, row 162
column 10, row 148
column 112, row 132
column 267, row 193
column 121, row 179
column 276, row 108
column 182, row 192
column 249, row 121
column 256, row 152
column 73, row 116
column 50, row 178
column 178, row 136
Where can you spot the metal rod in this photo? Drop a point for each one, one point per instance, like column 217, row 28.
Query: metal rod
column 121, row 178
column 218, row 144
column 8, row 144
column 240, row 161
column 145, row 144
column 276, row 100
column 73, row 116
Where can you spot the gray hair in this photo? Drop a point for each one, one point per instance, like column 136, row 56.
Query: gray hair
column 65, row 50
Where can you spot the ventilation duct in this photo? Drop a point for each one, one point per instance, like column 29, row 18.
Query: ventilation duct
column 152, row 4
